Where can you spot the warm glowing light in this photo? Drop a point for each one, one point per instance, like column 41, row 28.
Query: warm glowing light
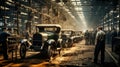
column 83, row 20
column 24, row 13
column 81, row 15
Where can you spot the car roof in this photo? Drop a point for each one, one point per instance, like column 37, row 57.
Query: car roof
column 48, row 25
column 67, row 30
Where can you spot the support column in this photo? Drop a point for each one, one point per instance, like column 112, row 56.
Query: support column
column 4, row 15
column 119, row 16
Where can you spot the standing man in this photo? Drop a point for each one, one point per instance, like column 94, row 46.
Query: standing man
column 91, row 37
column 86, row 37
column 3, row 41
column 100, row 45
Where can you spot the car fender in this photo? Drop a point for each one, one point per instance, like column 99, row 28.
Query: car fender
column 23, row 40
column 26, row 42
column 60, row 41
column 51, row 41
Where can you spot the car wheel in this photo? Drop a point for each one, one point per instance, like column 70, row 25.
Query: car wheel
column 64, row 45
column 22, row 51
column 49, row 52
column 70, row 43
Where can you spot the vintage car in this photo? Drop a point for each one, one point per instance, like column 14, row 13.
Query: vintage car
column 46, row 40
column 67, row 37
column 77, row 36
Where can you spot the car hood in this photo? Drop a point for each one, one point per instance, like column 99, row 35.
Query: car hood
column 47, row 33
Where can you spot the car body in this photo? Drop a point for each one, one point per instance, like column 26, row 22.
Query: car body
column 46, row 39
column 77, row 36
column 67, row 37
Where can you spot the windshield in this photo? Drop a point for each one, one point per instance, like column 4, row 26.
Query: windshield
column 47, row 29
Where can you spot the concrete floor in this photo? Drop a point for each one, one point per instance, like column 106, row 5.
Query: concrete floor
column 80, row 55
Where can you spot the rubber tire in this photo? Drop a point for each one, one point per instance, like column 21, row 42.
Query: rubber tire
column 46, row 52
column 22, row 51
